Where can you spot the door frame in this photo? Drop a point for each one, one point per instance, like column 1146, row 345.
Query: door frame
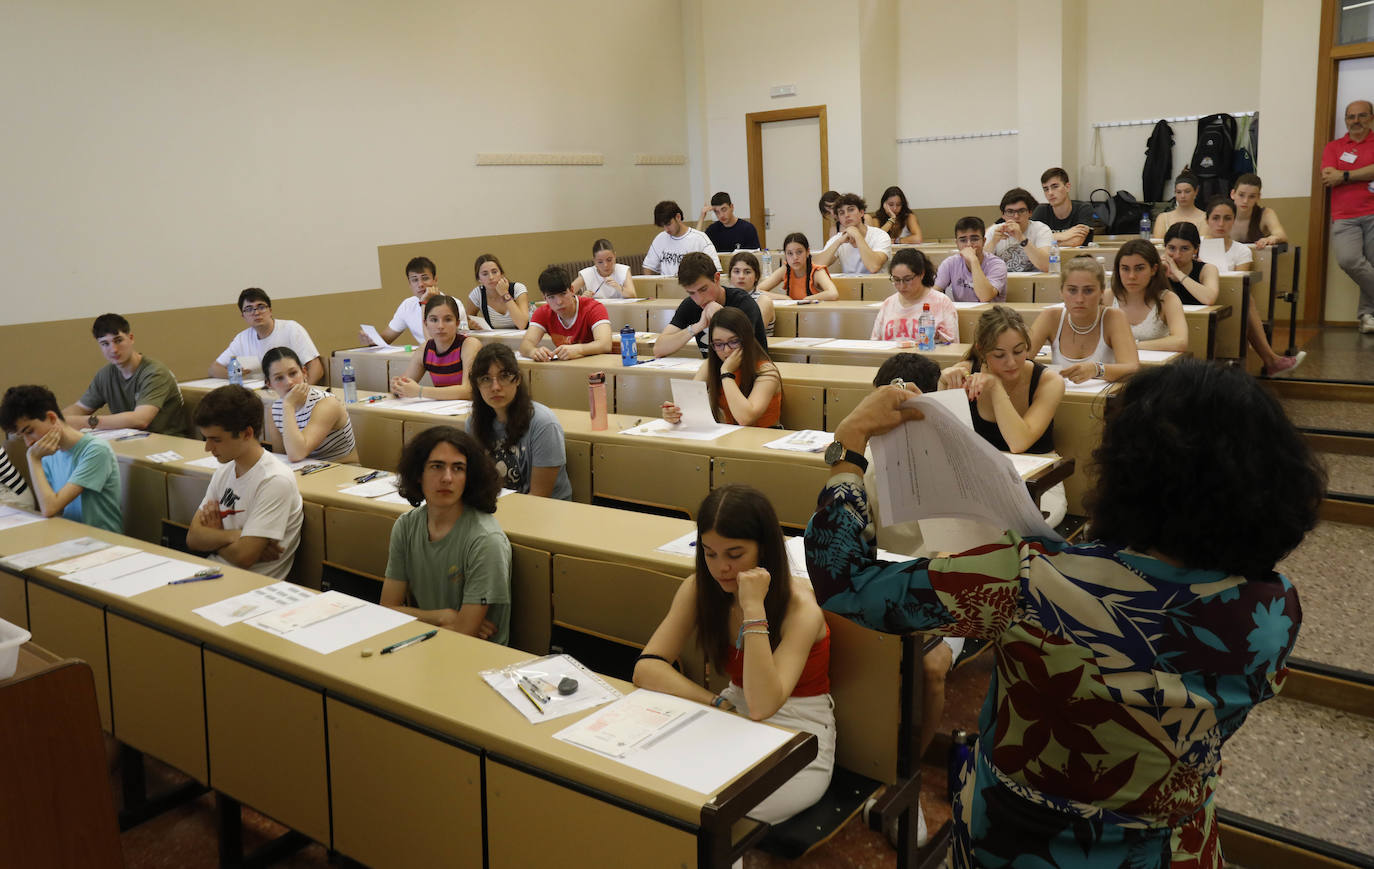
column 1329, row 56
column 753, row 134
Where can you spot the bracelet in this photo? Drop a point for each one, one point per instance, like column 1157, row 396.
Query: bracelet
column 1101, row 370
column 755, row 626
column 749, row 622
column 763, row 631
column 719, row 700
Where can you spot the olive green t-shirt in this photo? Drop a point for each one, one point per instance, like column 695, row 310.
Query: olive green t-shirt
column 153, row 383
column 469, row 565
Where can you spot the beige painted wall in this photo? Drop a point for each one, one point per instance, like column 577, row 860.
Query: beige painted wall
column 169, row 154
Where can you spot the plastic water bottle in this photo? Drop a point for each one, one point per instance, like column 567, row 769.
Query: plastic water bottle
column 1145, row 226
column 960, row 749
column 350, row 382
column 767, row 262
column 1054, row 256
column 235, row 371
column 629, row 351
column 596, row 400
column 925, row 329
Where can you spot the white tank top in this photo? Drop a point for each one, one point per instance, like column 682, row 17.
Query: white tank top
column 1101, row 353
column 1150, row 328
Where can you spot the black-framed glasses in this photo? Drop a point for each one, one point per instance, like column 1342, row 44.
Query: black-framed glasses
column 256, row 309
column 506, row 377
column 722, row 346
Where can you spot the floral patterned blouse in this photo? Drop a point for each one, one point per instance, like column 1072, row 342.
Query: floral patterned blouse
column 1118, row 678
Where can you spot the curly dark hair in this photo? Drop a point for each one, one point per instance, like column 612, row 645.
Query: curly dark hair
column 1198, row 462
column 27, row 402
column 482, row 485
column 233, row 408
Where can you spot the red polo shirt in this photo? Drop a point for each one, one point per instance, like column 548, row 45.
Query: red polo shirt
column 1354, row 199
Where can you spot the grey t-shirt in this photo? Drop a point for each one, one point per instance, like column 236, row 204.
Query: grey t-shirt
column 541, row 446
column 469, row 565
column 153, row 383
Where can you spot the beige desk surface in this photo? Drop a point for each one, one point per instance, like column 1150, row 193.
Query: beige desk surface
column 402, row 685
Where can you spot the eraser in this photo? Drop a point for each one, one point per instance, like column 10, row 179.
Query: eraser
column 367, row 653
column 567, row 685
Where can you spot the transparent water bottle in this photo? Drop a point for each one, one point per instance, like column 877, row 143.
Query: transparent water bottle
column 350, row 382
column 1145, row 226
column 925, row 329
column 235, row 371
column 767, row 263
column 629, row 351
column 1054, row 256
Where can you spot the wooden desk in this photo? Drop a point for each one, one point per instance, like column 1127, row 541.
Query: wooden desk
column 1020, row 288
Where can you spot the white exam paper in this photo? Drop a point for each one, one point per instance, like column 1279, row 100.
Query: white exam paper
column 1156, row 355
column 250, row 604
column 113, row 434
column 55, row 552
column 804, row 441
column 672, row 363
column 854, row 344
column 205, row 462
column 373, row 335
column 664, row 429
column 383, row 485
column 134, row 574
column 13, row 517
column 684, row 545
column 91, row 559
column 166, row 456
column 329, row 622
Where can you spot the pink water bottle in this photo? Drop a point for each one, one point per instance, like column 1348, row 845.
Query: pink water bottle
column 596, row 399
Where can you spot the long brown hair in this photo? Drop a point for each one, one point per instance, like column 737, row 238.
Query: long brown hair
column 1159, row 282
column 739, row 512
column 991, row 325
column 521, row 408
column 734, row 320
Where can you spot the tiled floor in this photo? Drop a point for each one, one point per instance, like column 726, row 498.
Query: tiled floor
column 1332, row 570
column 1333, row 353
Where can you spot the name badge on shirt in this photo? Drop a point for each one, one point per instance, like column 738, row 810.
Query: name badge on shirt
column 1348, row 157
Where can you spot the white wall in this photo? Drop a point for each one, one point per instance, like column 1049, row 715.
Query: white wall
column 165, row 154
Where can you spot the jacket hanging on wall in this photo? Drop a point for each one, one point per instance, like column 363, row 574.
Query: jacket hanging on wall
column 1214, row 156
column 1159, row 163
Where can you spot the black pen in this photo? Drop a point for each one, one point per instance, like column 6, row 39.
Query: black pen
column 310, row 469
column 418, row 638
column 372, row 475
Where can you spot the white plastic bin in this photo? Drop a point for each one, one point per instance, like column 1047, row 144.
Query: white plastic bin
column 11, row 638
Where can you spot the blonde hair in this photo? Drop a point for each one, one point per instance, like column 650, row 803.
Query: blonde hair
column 1083, row 263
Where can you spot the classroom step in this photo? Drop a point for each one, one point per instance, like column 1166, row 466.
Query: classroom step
column 1348, row 474
column 1318, row 413
column 1328, row 568
column 1304, row 768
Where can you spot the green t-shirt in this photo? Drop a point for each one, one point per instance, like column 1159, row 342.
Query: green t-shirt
column 471, row 564
column 153, row 383
column 90, row 464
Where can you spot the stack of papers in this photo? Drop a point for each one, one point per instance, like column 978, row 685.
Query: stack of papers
column 113, row 434
column 12, row 517
column 55, row 552
column 206, row 462
column 375, row 488
column 854, row 344
column 253, row 603
column 698, row 422
column 685, row 545
column 330, row 621
column 532, row 687
column 804, row 441
column 216, row 382
column 673, row 363
column 123, row 571
column 167, row 456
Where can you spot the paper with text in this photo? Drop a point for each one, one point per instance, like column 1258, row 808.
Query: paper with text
column 13, row 517
column 373, row 335
column 250, row 604
column 56, row 552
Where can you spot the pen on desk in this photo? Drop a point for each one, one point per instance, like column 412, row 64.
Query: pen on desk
column 374, row 398
column 418, row 638
column 523, row 690
column 208, row 573
column 310, row 469
column 129, row 437
column 371, row 475
column 533, row 689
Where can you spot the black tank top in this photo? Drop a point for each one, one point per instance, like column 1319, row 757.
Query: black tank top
column 993, row 435
column 1182, row 291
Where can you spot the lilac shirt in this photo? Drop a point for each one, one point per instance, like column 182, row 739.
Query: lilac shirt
column 954, row 275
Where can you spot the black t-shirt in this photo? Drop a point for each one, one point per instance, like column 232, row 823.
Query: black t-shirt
column 688, row 313
column 741, row 236
column 1082, row 212
column 1182, row 291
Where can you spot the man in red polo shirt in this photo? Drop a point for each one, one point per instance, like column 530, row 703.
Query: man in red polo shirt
column 1348, row 169
column 578, row 325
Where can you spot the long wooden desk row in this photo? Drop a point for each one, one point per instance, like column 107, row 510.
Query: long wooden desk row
column 401, row 760
column 852, row 288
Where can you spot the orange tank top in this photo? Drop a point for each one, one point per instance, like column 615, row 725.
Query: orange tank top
column 771, row 414
column 815, row 676
column 800, row 288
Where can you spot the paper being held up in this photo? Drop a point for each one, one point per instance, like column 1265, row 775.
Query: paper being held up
column 373, row 335
column 938, row 467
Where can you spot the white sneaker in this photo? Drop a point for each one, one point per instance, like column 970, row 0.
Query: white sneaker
column 890, row 829
column 922, row 836
column 1367, row 323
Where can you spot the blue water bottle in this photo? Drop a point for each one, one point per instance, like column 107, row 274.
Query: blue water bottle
column 960, row 750
column 235, row 371
column 629, row 351
column 350, row 382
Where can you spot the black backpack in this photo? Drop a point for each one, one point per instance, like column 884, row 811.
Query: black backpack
column 1159, row 163
column 1117, row 214
column 1214, row 156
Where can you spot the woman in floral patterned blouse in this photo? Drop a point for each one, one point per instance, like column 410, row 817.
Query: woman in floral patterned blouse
column 1122, row 664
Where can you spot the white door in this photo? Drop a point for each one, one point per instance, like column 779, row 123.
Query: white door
column 791, row 181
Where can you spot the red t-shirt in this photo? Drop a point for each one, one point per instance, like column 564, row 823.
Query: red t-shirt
column 1355, row 199
column 590, row 312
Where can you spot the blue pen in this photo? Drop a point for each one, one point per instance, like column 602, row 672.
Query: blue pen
column 207, row 573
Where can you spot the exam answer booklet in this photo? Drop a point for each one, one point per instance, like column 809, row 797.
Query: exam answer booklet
column 532, row 687
column 940, row 467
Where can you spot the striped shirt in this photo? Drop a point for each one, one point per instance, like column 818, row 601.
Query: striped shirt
column 336, row 445
column 13, row 490
column 445, row 369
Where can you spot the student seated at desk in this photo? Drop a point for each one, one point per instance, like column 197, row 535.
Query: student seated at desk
column 449, row 562
column 74, row 475
column 799, row 278
column 1176, row 572
column 744, row 275
column 263, row 333
column 252, row 513
column 895, row 217
column 309, row 423
column 1023, row 244
column 445, row 366
column 1192, row 280
column 899, row 315
column 972, row 274
column 141, row 392
column 14, row 492
column 1066, row 217
column 521, row 435
column 676, row 242
column 605, row 278
column 742, row 383
column 700, row 279
column 826, row 205
column 578, row 326
column 421, row 274
column 1185, row 208
column 1142, row 292
column 856, row 248
column 496, row 303
column 1098, row 343
column 728, row 233
column 758, row 625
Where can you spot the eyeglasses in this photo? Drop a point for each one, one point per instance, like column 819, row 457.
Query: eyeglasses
column 1015, row 212
column 968, row 239
column 722, row 346
column 486, row 380
column 902, row 282
column 256, row 309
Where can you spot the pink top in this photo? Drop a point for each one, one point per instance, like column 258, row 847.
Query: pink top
column 896, row 320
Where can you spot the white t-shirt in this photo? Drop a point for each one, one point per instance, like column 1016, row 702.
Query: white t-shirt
column 1037, row 233
column 593, row 281
column 410, row 314
column 249, row 348
column 1212, row 252
column 271, row 507
column 496, row 319
column 848, row 258
column 666, row 252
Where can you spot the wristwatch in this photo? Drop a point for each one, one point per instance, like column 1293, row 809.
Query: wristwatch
column 838, row 452
column 1101, row 370
column 1024, row 242
column 92, row 420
